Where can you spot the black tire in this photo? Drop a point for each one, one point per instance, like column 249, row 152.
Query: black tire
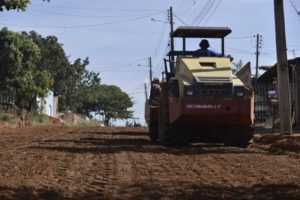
column 163, row 116
column 169, row 134
column 155, row 100
column 153, row 131
column 237, row 143
column 239, row 136
column 174, row 86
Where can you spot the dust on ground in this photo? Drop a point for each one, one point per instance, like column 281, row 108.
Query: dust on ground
column 59, row 162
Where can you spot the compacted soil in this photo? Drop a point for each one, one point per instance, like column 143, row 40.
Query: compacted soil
column 59, row 162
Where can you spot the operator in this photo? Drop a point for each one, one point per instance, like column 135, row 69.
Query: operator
column 204, row 51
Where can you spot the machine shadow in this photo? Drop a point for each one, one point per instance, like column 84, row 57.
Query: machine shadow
column 153, row 190
column 31, row 193
column 208, row 192
column 108, row 145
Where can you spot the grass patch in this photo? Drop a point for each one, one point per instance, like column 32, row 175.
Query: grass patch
column 8, row 118
column 84, row 123
column 38, row 118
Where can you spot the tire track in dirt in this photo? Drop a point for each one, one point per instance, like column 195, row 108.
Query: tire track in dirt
column 27, row 140
column 98, row 177
column 97, row 163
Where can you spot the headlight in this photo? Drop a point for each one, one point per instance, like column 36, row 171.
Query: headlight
column 189, row 93
column 240, row 94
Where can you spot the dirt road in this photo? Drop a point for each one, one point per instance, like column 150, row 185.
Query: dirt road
column 55, row 162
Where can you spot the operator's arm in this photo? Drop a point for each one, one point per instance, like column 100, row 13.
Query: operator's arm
column 215, row 54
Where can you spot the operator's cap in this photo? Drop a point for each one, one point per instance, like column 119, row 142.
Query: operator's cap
column 204, row 44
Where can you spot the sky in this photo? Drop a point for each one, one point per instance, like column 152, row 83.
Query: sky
column 119, row 36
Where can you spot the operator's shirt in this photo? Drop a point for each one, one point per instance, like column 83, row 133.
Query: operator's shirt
column 206, row 53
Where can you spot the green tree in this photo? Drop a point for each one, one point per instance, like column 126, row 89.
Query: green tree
column 71, row 95
column 54, row 60
column 14, row 4
column 238, row 66
column 88, row 95
column 19, row 70
column 113, row 103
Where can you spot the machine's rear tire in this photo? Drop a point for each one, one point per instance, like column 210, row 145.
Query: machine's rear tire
column 237, row 143
column 169, row 134
column 239, row 136
column 163, row 117
column 153, row 131
column 153, row 123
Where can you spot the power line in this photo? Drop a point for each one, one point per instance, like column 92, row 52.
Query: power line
column 207, row 11
column 184, row 9
column 84, row 26
column 294, row 6
column 203, row 12
column 237, row 38
column 128, row 62
column 268, row 55
column 160, row 40
column 200, row 13
column 213, row 12
column 180, row 20
column 82, row 16
column 97, row 9
column 195, row 10
column 240, row 50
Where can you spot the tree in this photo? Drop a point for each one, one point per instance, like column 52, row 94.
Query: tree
column 88, row 95
column 54, row 60
column 238, row 66
column 73, row 91
column 113, row 103
column 14, row 4
column 19, row 70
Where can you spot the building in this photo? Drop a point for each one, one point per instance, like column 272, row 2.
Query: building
column 267, row 87
column 48, row 105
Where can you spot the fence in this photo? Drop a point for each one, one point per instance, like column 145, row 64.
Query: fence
column 266, row 114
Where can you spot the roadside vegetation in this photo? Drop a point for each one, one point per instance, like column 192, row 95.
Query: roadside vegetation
column 31, row 65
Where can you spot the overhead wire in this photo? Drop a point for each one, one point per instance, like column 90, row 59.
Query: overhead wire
column 183, row 2
column 96, row 9
column 184, row 23
column 237, row 38
column 185, row 10
column 81, row 16
column 160, row 40
column 201, row 12
column 86, row 26
column 196, row 9
column 180, row 9
column 121, row 62
column 206, row 12
column 294, row 6
column 161, row 63
column 213, row 12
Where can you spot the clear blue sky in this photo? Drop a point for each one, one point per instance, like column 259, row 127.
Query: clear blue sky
column 118, row 36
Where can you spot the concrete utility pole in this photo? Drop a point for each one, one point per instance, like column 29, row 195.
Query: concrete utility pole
column 171, row 28
column 150, row 69
column 282, row 70
column 172, row 39
column 257, row 55
column 146, row 94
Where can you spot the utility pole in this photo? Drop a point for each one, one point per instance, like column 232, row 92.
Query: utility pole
column 171, row 28
column 282, row 70
column 150, row 69
column 257, row 55
column 294, row 52
column 146, row 94
column 171, row 38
